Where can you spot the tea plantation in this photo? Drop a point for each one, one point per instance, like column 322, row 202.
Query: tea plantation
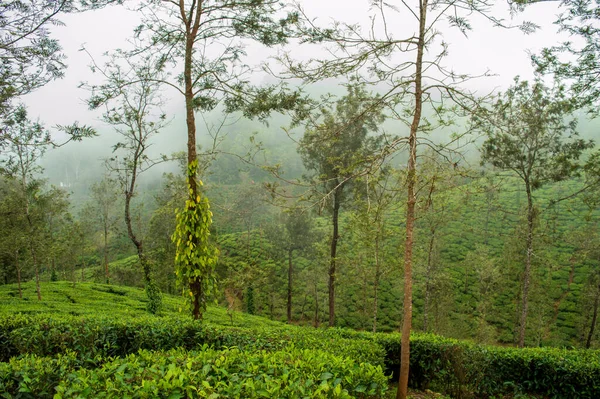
column 97, row 341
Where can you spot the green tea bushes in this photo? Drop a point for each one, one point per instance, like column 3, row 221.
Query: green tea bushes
column 209, row 373
column 466, row 370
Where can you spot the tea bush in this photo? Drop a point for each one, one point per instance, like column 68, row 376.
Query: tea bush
column 463, row 369
column 229, row 373
column 104, row 336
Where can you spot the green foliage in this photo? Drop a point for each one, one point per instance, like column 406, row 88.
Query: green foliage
column 250, row 300
column 196, row 256
column 230, row 373
column 530, row 131
column 338, row 146
column 463, row 369
column 277, row 357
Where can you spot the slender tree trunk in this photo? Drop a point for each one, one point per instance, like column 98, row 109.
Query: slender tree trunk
column 334, row 241
column 18, row 273
column 37, row 271
column 316, row 319
column 151, row 291
column 106, row 274
column 33, row 255
column 31, row 246
column 376, row 284
column 428, row 276
column 588, row 343
column 527, row 274
column 82, row 267
column 410, row 210
column 302, row 315
column 289, row 288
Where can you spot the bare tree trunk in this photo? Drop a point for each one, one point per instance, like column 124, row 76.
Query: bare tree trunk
column 316, row 319
column 428, row 283
column 527, row 274
column 82, row 268
column 37, row 272
column 334, row 240
column 31, row 246
column 289, row 289
column 302, row 315
column 410, row 210
column 376, row 284
column 18, row 273
column 106, row 274
column 588, row 343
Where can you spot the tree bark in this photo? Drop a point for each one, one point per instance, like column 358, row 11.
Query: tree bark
column 428, row 282
column 289, row 288
column 107, row 275
column 37, row 271
column 410, row 210
column 191, row 30
column 316, row 319
column 18, row 273
column 527, row 273
column 588, row 343
column 334, row 240
column 376, row 284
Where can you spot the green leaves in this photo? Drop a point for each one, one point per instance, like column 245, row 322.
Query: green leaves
column 530, row 131
column 196, row 255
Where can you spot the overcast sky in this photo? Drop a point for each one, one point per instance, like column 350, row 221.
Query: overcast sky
column 503, row 52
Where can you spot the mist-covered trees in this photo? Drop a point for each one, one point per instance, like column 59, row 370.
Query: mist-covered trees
column 338, row 149
column 528, row 132
column 134, row 111
column 178, row 34
column 30, row 56
column 292, row 231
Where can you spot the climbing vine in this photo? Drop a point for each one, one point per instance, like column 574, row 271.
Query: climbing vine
column 195, row 256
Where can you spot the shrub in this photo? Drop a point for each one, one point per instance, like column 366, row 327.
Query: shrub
column 105, row 336
column 230, row 373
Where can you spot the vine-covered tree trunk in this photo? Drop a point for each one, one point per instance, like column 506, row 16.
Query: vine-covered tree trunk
column 191, row 30
column 334, row 241
column 527, row 273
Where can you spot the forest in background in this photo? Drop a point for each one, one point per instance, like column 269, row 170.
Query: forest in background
column 467, row 264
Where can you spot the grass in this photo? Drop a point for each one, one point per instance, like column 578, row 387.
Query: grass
column 82, row 299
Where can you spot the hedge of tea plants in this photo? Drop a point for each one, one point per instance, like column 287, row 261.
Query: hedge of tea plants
column 96, row 349
column 208, row 373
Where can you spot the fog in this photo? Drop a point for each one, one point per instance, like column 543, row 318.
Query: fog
column 503, row 53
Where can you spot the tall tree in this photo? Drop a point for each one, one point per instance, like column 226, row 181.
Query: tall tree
column 133, row 104
column 528, row 132
column 376, row 195
column 412, row 73
column 104, row 196
column 204, row 41
column 293, row 232
column 335, row 150
column 26, row 142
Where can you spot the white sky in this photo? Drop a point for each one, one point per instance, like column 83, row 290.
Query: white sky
column 503, row 52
